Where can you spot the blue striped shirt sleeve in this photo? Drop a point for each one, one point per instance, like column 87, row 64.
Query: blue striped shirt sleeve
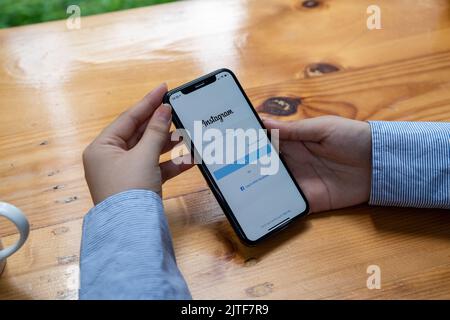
column 410, row 164
column 127, row 252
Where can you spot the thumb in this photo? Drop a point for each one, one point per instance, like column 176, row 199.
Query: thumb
column 155, row 136
column 312, row 129
column 287, row 129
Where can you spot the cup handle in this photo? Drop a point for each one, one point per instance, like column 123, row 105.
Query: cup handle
column 16, row 216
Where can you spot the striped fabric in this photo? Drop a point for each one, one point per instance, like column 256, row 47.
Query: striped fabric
column 126, row 250
column 410, row 164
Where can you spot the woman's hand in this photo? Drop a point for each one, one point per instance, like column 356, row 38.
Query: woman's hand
column 330, row 158
column 126, row 154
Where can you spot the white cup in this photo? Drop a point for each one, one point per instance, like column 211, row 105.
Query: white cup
column 16, row 216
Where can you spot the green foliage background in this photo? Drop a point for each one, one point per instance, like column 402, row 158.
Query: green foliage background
column 21, row 12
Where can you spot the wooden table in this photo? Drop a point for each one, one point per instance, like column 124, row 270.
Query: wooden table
column 60, row 87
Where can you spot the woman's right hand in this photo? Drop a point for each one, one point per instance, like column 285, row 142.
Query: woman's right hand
column 330, row 158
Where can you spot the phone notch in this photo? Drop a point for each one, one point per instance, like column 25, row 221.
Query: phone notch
column 200, row 84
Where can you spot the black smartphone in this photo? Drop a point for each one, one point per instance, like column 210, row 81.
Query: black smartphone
column 249, row 179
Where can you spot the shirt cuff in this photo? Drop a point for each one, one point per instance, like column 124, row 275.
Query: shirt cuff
column 127, row 252
column 410, row 164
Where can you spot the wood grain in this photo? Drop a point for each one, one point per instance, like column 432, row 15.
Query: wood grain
column 59, row 88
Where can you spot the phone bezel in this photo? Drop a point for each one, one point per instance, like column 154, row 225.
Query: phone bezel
column 208, row 176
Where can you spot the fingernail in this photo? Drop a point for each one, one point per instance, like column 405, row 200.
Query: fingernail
column 164, row 113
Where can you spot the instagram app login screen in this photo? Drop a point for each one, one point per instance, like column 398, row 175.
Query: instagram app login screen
column 242, row 161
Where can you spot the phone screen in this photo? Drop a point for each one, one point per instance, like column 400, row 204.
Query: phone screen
column 248, row 172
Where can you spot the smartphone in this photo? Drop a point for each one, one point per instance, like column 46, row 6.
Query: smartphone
column 249, row 179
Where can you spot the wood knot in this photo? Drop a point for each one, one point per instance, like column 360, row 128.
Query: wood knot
column 260, row 290
column 280, row 106
column 60, row 230
column 318, row 69
column 310, row 4
column 67, row 200
column 67, row 259
column 250, row 262
column 52, row 173
column 67, row 294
